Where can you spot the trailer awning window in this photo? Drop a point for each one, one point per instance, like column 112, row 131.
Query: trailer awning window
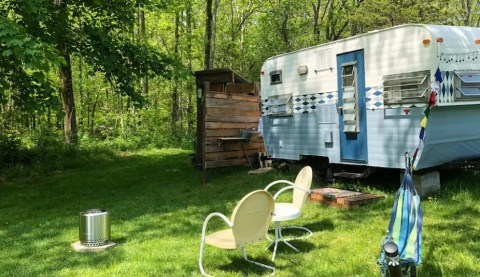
column 279, row 105
column 350, row 98
column 467, row 86
column 406, row 87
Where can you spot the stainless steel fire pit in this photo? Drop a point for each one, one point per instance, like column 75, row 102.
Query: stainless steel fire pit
column 94, row 227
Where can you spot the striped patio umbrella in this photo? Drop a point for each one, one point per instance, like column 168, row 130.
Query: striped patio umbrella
column 405, row 227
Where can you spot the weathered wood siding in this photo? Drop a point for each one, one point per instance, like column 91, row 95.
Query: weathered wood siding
column 226, row 113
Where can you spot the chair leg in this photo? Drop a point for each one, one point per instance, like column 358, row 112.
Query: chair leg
column 284, row 240
column 309, row 233
column 280, row 238
column 200, row 258
column 276, row 239
column 257, row 263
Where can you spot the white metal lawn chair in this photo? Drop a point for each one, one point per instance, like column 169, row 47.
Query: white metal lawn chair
column 249, row 223
column 290, row 210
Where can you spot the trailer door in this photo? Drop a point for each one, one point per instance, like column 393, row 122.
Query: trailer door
column 351, row 107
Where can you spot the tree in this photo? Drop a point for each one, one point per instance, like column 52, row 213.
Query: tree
column 175, row 98
column 467, row 12
column 318, row 16
column 99, row 32
column 208, row 35
column 210, row 32
column 24, row 64
column 66, row 88
column 115, row 65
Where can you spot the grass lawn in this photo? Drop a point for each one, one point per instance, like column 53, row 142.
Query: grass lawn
column 157, row 205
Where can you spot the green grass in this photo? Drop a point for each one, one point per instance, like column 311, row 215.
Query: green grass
column 157, row 205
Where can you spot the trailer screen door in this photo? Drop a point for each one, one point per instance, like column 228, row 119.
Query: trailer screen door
column 351, row 107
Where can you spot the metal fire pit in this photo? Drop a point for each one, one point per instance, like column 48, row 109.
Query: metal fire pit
column 94, row 227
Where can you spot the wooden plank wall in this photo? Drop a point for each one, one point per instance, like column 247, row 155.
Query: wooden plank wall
column 226, row 113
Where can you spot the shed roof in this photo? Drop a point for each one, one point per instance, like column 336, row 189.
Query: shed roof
column 234, row 76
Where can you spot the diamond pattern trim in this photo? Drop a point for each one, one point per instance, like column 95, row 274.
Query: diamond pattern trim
column 447, row 86
column 303, row 104
column 374, row 98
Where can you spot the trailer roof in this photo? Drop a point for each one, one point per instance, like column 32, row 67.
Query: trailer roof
column 443, row 31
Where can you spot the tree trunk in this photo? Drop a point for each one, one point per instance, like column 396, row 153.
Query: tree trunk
column 143, row 35
column 210, row 30
column 330, row 26
column 94, row 108
column 122, row 122
column 285, row 34
column 34, row 121
column 317, row 18
column 66, row 87
column 208, row 34
column 81, row 101
column 214, row 33
column 190, row 88
column 88, row 103
column 66, row 91
column 175, row 102
column 49, row 117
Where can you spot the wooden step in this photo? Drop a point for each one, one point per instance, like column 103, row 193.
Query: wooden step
column 360, row 200
column 342, row 198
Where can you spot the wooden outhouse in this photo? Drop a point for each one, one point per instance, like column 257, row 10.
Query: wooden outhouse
column 228, row 114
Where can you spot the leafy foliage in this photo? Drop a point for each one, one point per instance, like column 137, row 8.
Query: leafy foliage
column 99, row 31
column 11, row 150
column 24, row 63
column 131, row 61
column 121, row 61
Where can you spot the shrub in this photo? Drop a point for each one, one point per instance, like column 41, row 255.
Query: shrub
column 11, row 149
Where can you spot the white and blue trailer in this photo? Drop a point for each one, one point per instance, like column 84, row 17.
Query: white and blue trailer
column 360, row 100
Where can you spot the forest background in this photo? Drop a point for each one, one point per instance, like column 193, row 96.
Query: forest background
column 97, row 75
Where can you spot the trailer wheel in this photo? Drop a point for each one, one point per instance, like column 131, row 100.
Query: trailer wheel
column 322, row 173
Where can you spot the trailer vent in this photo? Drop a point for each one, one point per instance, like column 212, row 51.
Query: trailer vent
column 467, row 86
column 406, row 87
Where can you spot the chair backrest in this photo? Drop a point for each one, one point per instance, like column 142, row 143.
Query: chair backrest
column 251, row 217
column 304, row 180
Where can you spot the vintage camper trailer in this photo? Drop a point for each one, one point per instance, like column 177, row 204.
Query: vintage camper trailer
column 368, row 99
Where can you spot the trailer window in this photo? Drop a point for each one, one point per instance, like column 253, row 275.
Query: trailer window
column 348, row 75
column 406, row 87
column 280, row 105
column 467, row 86
column 275, row 77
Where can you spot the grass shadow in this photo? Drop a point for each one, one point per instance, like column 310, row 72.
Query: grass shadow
column 157, row 203
column 430, row 263
column 323, row 225
column 303, row 245
column 148, row 195
column 240, row 266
